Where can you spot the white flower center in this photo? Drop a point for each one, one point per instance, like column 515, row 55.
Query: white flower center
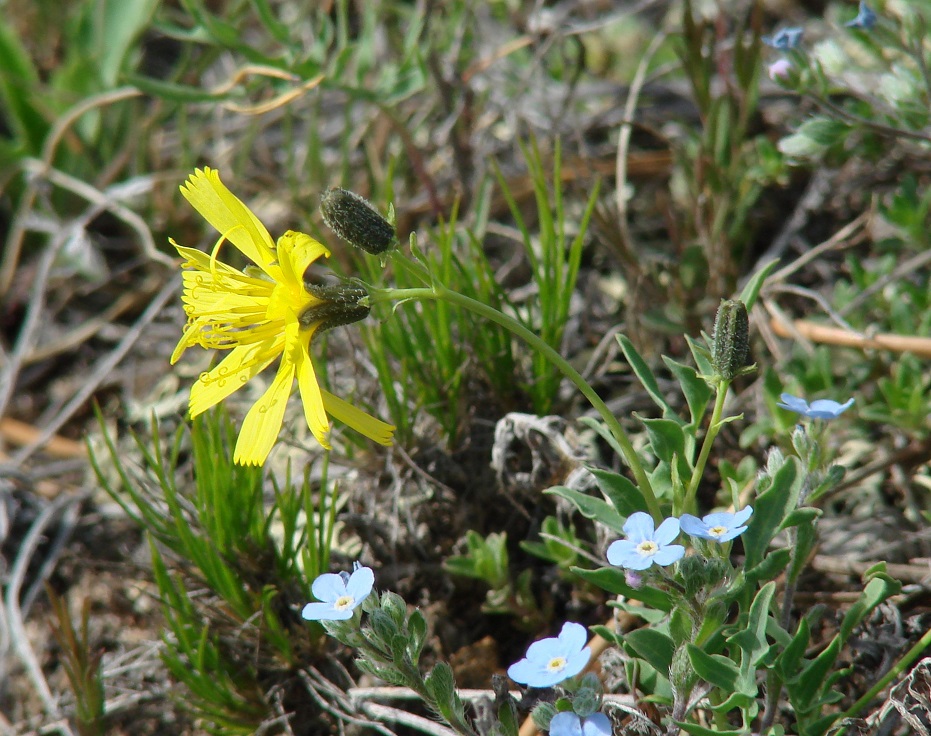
column 344, row 602
column 557, row 664
column 717, row 531
column 648, row 548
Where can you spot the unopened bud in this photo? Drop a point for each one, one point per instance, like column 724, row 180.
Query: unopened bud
column 340, row 304
column 356, row 221
column 731, row 341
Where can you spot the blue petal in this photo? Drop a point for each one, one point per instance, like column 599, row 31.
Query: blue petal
column 544, row 650
column 572, row 638
column 575, row 663
column 793, row 403
column 525, row 672
column 667, row 531
column 693, row 526
column 566, row 723
column 597, row 724
column 324, row 612
column 668, row 555
column 732, row 534
column 741, row 516
column 620, row 550
column 828, row 409
column 360, row 584
column 328, row 587
column 639, row 527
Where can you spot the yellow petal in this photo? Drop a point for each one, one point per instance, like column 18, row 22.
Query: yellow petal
column 363, row 423
column 296, row 251
column 311, row 397
column 233, row 372
column 222, row 209
column 262, row 424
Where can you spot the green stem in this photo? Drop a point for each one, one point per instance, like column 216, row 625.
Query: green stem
column 439, row 292
column 714, row 426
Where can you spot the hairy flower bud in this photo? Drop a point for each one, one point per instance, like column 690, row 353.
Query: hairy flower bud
column 342, row 304
column 356, row 221
column 731, row 341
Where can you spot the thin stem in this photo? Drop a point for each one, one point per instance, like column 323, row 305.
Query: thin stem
column 714, row 426
column 440, row 292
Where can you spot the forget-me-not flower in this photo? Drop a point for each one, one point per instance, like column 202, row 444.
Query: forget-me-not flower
column 644, row 546
column 865, row 19
column 339, row 593
column 819, row 409
column 568, row 723
column 785, row 39
column 550, row 661
column 722, row 526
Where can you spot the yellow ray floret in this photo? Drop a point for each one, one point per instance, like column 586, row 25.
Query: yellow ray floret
column 256, row 318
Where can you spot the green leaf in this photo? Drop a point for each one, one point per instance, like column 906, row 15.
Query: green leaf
column 877, row 590
column 612, row 580
column 752, row 639
column 695, row 730
column 171, row 90
column 751, row 290
column 590, row 507
column 645, row 376
column 697, row 393
column 769, row 569
column 653, row 646
column 714, row 668
column 770, row 509
column 789, row 661
column 667, row 438
column 621, row 492
column 806, row 692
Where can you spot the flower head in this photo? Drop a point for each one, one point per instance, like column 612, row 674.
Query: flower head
column 568, row 723
column 550, row 661
column 865, row 20
column 261, row 315
column 819, row 409
column 340, row 593
column 644, row 546
column 785, row 39
column 779, row 69
column 722, row 526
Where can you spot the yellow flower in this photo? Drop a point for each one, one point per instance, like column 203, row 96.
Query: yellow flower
column 258, row 317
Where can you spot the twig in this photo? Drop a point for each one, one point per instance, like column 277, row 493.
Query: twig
column 918, row 346
column 403, row 718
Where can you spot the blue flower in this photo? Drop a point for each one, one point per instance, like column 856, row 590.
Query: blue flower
column 787, row 38
column 644, row 546
column 865, row 19
column 721, row 527
column 340, row 594
column 568, row 723
column 819, row 409
column 550, row 661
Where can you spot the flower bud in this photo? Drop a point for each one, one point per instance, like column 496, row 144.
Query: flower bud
column 731, row 341
column 356, row 221
column 340, row 304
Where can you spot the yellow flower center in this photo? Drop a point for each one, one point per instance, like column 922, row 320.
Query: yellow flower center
column 717, row 531
column 557, row 664
column 648, row 548
column 344, row 602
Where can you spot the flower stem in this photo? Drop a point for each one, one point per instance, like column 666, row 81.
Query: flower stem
column 438, row 291
column 714, row 426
